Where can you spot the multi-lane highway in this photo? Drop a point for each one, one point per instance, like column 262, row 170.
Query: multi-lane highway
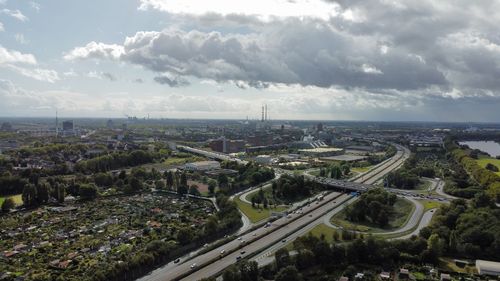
column 213, row 262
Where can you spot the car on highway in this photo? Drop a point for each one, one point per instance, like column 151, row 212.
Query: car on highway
column 177, row 260
column 193, row 266
column 284, row 240
column 238, row 258
column 243, row 252
column 222, row 252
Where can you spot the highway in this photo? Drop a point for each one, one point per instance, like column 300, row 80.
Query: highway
column 211, row 264
column 250, row 243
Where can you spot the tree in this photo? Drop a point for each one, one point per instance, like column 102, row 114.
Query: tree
column 249, row 271
column 182, row 189
column 29, row 195
column 42, row 193
column 170, row 179
column 193, row 190
column 160, row 184
column 231, row 274
column 184, row 236
column 8, row 204
column 289, row 273
column 212, row 184
column 59, row 192
column 223, row 180
column 136, row 184
column 282, row 258
column 88, row 191
column 183, row 180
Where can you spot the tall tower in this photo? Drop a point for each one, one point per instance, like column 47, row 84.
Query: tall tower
column 262, row 113
column 266, row 112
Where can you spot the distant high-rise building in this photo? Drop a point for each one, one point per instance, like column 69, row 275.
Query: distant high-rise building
column 68, row 125
column 6, row 127
column 110, row 124
column 319, row 127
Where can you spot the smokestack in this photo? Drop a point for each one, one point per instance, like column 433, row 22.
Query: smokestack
column 262, row 113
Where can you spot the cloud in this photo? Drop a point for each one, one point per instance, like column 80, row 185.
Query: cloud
column 102, row 75
column 15, row 14
column 40, row 74
column 305, row 52
column 12, row 56
column 263, row 9
column 138, row 80
column 95, row 50
column 20, row 38
column 35, row 6
column 171, row 81
column 1, row 27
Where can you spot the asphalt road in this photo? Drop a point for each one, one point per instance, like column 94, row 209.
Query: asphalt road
column 259, row 240
column 255, row 241
column 269, row 239
column 425, row 221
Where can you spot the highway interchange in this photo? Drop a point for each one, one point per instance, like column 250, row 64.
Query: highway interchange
column 261, row 242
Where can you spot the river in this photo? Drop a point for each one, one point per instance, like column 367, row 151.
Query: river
column 490, row 147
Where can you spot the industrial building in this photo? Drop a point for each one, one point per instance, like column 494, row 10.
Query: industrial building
column 68, row 125
column 263, row 159
column 488, row 267
column 202, row 166
column 322, row 151
column 227, row 146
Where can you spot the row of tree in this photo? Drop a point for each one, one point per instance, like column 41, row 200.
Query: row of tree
column 114, row 161
column 485, row 178
column 468, row 229
column 316, row 259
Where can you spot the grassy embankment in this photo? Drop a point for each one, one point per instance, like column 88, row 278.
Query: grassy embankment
column 256, row 214
column 18, row 199
column 484, row 160
column 402, row 212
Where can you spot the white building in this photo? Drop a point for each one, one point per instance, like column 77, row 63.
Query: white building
column 202, row 166
column 488, row 267
column 263, row 159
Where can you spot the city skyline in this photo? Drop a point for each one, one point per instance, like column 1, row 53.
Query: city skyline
column 307, row 60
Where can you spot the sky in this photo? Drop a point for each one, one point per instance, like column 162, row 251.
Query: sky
column 381, row 60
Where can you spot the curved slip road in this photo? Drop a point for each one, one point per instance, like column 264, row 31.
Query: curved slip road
column 440, row 191
column 425, row 221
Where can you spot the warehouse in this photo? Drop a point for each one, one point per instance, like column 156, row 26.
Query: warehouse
column 322, row 151
column 202, row 166
column 488, row 267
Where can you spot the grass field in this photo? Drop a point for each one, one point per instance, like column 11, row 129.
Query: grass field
column 402, row 212
column 483, row 161
column 254, row 214
column 428, row 204
column 361, row 169
column 323, row 229
column 18, row 199
column 174, row 161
